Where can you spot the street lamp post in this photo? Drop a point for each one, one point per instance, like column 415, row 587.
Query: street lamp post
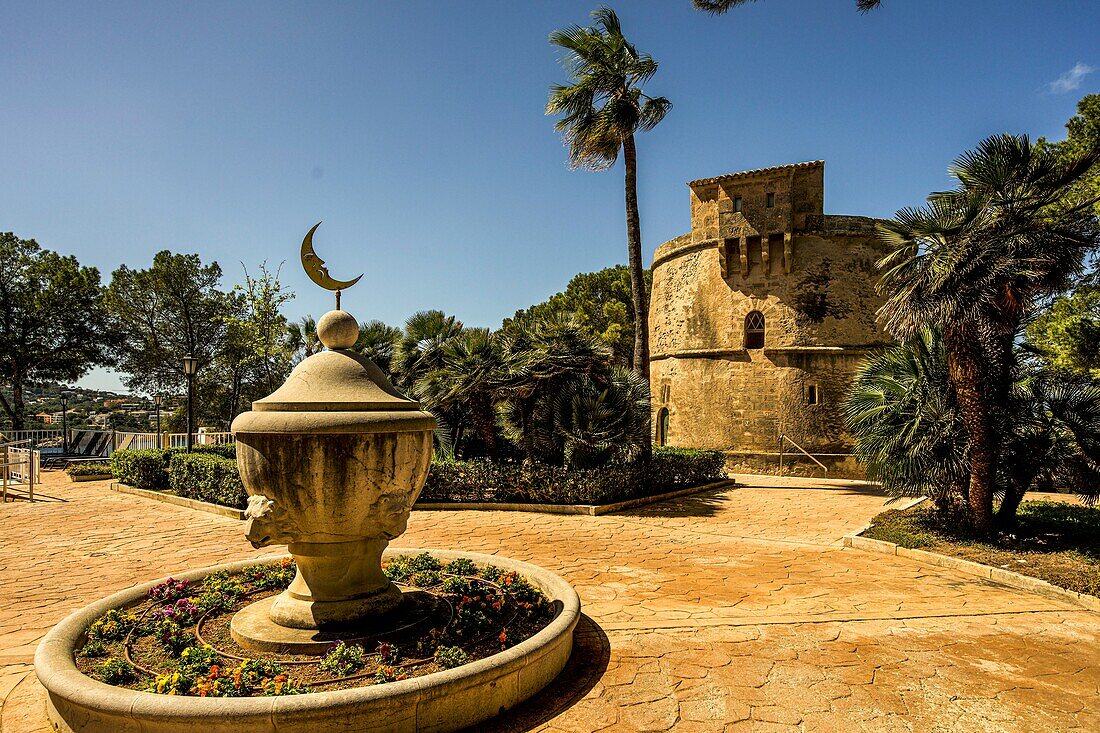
column 190, row 366
column 156, row 401
column 64, row 396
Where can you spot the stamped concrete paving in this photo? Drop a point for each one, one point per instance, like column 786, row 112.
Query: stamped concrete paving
column 735, row 610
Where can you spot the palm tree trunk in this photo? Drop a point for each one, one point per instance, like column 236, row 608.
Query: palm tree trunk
column 637, row 269
column 965, row 367
column 639, row 297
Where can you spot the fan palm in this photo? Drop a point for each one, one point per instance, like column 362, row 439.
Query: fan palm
column 464, row 387
column 906, row 427
column 973, row 263
column 537, row 361
column 378, row 342
column 420, row 348
column 601, row 110
column 596, row 421
column 302, row 338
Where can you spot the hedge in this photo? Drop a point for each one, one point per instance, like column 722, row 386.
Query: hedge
column 207, row 477
column 148, row 468
column 489, row 481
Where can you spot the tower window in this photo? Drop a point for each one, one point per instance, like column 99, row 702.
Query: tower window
column 737, row 204
column 813, row 395
column 754, row 330
column 771, row 200
column 662, row 426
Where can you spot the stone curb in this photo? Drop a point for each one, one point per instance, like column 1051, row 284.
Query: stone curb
column 170, row 498
column 592, row 510
column 986, row 572
column 442, row 701
column 89, row 477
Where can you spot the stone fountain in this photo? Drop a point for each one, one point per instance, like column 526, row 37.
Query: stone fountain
column 332, row 462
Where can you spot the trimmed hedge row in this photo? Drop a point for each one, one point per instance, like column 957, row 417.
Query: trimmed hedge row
column 208, row 475
column 489, row 481
column 148, row 469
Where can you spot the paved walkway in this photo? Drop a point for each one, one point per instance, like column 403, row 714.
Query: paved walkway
column 734, row 610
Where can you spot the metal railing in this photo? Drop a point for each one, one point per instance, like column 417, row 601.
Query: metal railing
column 19, row 469
column 800, row 450
column 38, row 436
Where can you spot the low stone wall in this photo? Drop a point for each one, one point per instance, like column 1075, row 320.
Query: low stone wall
column 840, row 465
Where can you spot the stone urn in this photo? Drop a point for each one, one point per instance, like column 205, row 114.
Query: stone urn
column 332, row 462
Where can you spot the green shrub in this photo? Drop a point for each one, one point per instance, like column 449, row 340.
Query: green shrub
column 145, row 469
column 461, row 566
column 149, row 468
column 88, row 468
column 482, row 480
column 207, row 477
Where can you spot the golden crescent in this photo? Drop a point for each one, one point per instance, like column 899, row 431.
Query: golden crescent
column 315, row 266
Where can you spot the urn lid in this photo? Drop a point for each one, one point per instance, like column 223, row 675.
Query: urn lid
column 337, row 380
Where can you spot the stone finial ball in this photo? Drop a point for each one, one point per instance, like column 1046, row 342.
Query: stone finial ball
column 338, row 330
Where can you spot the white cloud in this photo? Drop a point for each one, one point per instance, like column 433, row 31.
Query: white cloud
column 1070, row 80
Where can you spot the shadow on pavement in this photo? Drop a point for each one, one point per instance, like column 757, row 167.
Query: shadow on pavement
column 591, row 654
column 706, row 504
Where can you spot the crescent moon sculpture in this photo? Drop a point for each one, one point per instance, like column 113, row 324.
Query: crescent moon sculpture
column 316, row 270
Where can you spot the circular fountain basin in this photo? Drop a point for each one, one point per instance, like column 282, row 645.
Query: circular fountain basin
column 442, row 701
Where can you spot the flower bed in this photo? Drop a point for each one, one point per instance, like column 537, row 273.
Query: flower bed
column 177, row 641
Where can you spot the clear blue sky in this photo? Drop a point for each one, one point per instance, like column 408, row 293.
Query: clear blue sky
column 416, row 131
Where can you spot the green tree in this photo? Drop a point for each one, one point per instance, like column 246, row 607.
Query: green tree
column 1082, row 132
column 602, row 304
column 974, row 263
column 1068, row 333
column 166, row 312
column 53, row 323
column 601, row 111
column 717, row 7
column 597, row 421
column 539, row 359
column 259, row 345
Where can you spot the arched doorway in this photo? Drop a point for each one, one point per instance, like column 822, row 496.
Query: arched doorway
column 662, row 426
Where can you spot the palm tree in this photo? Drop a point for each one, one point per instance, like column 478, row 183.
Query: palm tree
column 601, row 110
column 378, row 342
column 539, row 358
column 420, row 348
column 464, row 387
column 905, row 422
column 717, row 7
column 598, row 420
column 303, row 339
column 974, row 262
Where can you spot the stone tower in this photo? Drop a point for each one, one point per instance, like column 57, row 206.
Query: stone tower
column 759, row 317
